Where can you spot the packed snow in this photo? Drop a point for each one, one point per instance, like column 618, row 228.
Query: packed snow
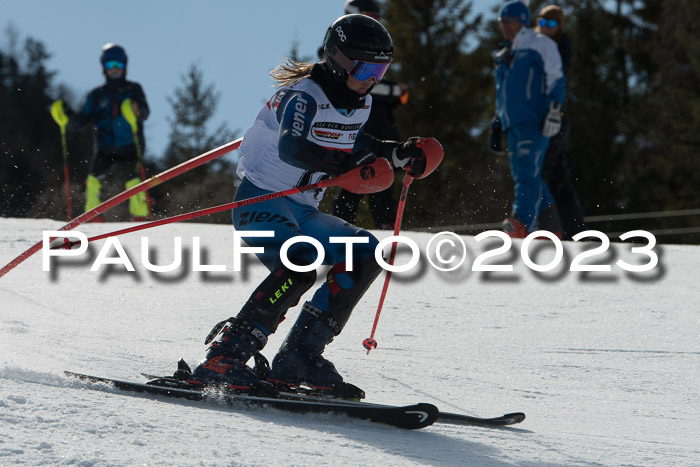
column 604, row 364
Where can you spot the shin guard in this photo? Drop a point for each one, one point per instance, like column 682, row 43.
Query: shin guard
column 347, row 288
column 280, row 290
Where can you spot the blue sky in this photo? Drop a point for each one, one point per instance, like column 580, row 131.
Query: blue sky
column 235, row 43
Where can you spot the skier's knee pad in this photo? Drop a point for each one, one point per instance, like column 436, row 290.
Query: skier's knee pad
column 280, row 290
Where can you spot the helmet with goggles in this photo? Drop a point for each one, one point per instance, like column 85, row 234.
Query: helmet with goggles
column 112, row 52
column 113, row 56
column 359, row 46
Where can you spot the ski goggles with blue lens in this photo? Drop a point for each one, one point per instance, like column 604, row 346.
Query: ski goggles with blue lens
column 550, row 23
column 114, row 64
column 362, row 71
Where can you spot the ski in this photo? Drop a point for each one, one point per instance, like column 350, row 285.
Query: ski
column 459, row 419
column 409, row 417
column 179, row 380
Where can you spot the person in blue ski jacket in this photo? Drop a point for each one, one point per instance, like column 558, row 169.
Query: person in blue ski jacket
column 557, row 164
column 115, row 151
column 530, row 90
column 310, row 129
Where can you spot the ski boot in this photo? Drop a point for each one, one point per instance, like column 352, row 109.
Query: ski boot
column 514, row 228
column 299, row 365
column 233, row 343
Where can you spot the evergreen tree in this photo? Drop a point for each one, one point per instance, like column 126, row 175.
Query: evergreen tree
column 31, row 175
column 450, row 99
column 193, row 105
column 667, row 169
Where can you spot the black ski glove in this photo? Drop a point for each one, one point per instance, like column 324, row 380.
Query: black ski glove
column 338, row 162
column 409, row 154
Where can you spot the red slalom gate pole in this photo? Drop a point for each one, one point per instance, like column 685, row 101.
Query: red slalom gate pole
column 372, row 178
column 193, row 214
column 433, row 152
column 115, row 200
column 370, row 343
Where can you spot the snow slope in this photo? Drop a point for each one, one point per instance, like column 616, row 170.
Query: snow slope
column 604, row 364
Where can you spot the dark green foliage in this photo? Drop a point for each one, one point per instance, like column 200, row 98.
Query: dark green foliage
column 192, row 106
column 633, row 99
column 451, row 99
column 30, row 154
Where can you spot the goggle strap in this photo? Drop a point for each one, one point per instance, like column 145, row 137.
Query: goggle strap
column 343, row 60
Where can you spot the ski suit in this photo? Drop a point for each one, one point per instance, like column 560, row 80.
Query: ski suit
column 529, row 77
column 114, row 143
column 296, row 116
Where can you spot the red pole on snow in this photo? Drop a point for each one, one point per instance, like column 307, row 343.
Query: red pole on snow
column 432, row 149
column 371, row 178
column 370, row 343
column 115, row 200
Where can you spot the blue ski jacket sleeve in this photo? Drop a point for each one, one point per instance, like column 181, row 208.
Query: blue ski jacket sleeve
column 529, row 77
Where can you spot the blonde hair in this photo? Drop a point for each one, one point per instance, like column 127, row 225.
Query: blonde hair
column 290, row 72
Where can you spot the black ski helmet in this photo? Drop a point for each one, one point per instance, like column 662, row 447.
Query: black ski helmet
column 354, row 38
column 362, row 6
column 112, row 52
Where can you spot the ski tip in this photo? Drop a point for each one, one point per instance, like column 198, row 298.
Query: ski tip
column 513, row 418
column 418, row 416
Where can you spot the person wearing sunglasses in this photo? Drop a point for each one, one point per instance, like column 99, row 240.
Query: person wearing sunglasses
column 115, row 154
column 386, row 96
column 530, row 90
column 310, row 129
column 556, row 167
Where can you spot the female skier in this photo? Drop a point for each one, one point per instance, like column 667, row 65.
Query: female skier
column 310, row 128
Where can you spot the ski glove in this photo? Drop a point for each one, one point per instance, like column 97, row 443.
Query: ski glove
column 552, row 122
column 338, row 162
column 410, row 154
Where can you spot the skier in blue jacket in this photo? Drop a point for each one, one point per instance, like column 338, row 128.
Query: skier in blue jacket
column 530, row 86
column 114, row 143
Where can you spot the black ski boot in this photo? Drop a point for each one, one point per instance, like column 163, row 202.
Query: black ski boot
column 244, row 336
column 299, row 365
column 225, row 362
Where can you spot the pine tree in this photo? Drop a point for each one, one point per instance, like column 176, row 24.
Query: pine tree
column 667, row 169
column 450, row 99
column 30, row 155
column 193, row 105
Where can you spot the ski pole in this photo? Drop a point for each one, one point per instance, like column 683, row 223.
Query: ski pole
column 370, row 343
column 128, row 113
column 126, row 194
column 60, row 117
column 432, row 149
column 377, row 176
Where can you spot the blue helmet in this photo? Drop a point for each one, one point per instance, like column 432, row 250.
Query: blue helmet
column 516, row 9
column 112, row 52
